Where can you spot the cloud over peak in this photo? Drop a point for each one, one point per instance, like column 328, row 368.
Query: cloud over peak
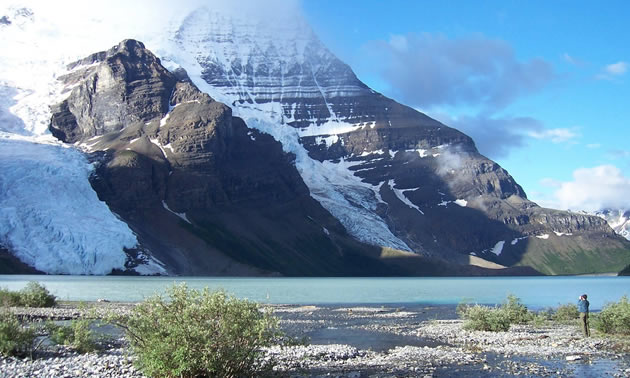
column 593, row 189
column 430, row 69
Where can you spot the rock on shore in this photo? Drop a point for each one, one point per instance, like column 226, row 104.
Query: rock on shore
column 448, row 350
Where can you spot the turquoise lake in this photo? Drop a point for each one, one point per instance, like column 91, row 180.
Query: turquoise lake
column 535, row 292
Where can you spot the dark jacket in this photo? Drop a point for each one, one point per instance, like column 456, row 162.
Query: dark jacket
column 583, row 305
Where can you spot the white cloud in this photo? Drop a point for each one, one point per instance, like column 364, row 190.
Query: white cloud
column 560, row 135
column 568, row 58
column 398, row 42
column 593, row 146
column 572, row 60
column 496, row 136
column 105, row 23
column 550, row 182
column 428, row 69
column 617, row 154
column 617, row 69
column 613, row 71
column 592, row 189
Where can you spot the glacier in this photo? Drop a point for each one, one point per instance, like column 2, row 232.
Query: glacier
column 50, row 216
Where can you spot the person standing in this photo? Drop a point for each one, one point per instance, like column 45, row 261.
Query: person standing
column 583, row 309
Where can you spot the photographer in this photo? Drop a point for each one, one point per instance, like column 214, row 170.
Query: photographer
column 583, row 309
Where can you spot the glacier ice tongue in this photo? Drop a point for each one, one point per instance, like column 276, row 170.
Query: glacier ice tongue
column 51, row 218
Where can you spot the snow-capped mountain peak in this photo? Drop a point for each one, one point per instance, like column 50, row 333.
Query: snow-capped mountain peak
column 618, row 219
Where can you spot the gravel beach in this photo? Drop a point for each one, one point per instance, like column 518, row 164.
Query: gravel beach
column 367, row 341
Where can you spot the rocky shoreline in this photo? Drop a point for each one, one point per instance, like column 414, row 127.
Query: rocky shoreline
column 366, row 342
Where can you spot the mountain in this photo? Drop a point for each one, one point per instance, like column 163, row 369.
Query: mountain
column 203, row 193
column 248, row 148
column 618, row 219
column 390, row 174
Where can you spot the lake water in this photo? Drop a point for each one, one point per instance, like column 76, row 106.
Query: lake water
column 535, row 292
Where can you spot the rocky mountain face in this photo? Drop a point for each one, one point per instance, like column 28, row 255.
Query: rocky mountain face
column 391, row 175
column 203, row 193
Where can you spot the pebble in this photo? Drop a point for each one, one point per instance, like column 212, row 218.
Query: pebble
column 524, row 350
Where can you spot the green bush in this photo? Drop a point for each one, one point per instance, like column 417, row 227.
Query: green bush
column 15, row 339
column 566, row 313
column 9, row 298
column 484, row 318
column 33, row 295
column 515, row 311
column 200, row 333
column 36, row 295
column 496, row 319
column 77, row 335
column 614, row 318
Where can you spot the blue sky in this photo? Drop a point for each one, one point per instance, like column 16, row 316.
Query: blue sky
column 542, row 86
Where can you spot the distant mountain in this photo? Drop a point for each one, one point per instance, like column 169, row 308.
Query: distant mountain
column 619, row 220
column 248, row 148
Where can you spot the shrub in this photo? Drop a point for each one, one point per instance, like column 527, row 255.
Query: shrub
column 77, row 335
column 9, row 298
column 515, row 311
column 496, row 319
column 484, row 318
column 200, row 333
column 15, row 339
column 614, row 318
column 33, row 295
column 36, row 295
column 566, row 313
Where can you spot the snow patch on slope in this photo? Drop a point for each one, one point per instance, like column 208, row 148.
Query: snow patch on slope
column 149, row 266
column 181, row 215
column 461, row 202
column 516, row 240
column 400, row 194
column 498, row 248
column 328, row 141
